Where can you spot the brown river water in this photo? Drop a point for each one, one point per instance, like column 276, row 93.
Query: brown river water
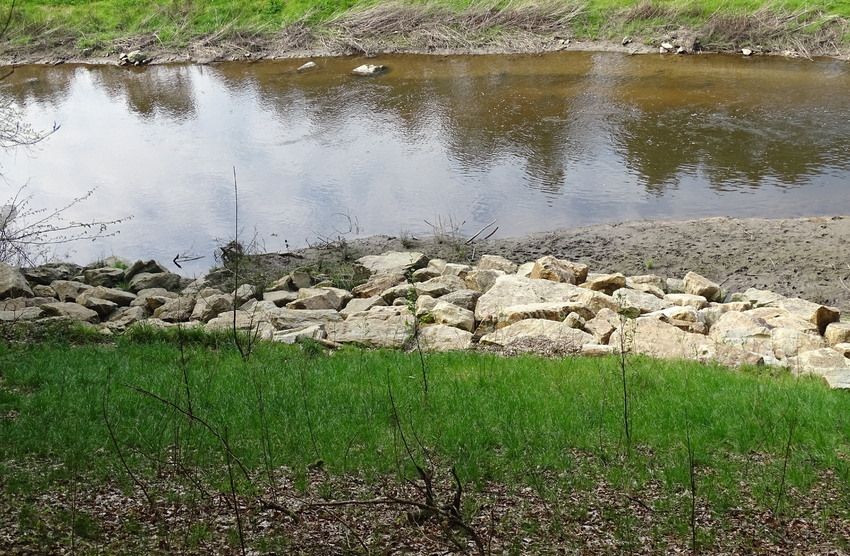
column 533, row 142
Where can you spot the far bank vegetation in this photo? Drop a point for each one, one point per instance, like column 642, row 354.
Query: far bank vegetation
column 219, row 29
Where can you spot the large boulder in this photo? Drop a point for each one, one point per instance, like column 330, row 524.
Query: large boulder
column 549, row 332
column 452, row 315
column 68, row 290
column 176, row 310
column 444, row 338
column 826, row 363
column 697, row 284
column 557, row 270
column 119, row 297
column 138, row 267
column 70, row 310
column 288, row 319
column 605, row 283
column 147, row 280
column 50, row 272
column 837, row 333
column 511, row 289
column 321, row 298
column 360, row 304
column 646, row 302
column 483, row 279
column 388, row 327
column 392, row 262
column 548, row 310
column 378, row 283
column 104, row 276
column 819, row 315
column 439, row 286
column 13, row 283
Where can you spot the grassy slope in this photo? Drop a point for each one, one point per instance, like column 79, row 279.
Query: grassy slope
column 756, row 440
column 175, row 23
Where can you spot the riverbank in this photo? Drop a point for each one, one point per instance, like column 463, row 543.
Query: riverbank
column 87, row 32
column 796, row 257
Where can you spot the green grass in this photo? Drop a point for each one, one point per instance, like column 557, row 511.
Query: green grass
column 95, row 24
column 551, row 425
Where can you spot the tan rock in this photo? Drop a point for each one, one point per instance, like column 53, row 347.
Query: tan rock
column 646, row 279
column 697, row 284
column 837, row 333
column 645, row 302
column 603, row 324
column 388, row 327
column 819, row 315
column 13, row 283
column 483, row 279
column 207, row 307
column 605, row 283
column 788, row 342
column 826, row 363
column 552, row 310
column 424, row 274
column 456, row 269
column 596, row 350
column 175, row 310
column 686, row 300
column 558, row 270
column 68, row 290
column 761, row 298
column 440, row 337
column 496, row 262
column 360, row 304
column 321, row 298
column 511, row 289
column 288, row 319
column 569, row 339
column 280, row 297
column 378, row 283
column 452, row 315
column 436, row 287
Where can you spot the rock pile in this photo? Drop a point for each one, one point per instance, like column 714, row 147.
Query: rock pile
column 550, row 305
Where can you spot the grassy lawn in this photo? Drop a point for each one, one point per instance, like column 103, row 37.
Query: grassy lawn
column 715, row 458
column 172, row 23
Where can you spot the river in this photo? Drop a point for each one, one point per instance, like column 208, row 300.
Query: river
column 534, row 142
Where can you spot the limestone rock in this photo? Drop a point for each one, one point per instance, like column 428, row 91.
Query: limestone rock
column 837, row 333
column 437, row 287
column 462, row 298
column 596, row 350
column 496, row 262
column 287, row 319
column 826, row 363
column 652, row 337
column 70, row 310
column 104, row 276
column 392, row 262
column 686, row 300
column 379, row 283
column 245, row 320
column 483, row 279
column 369, row 70
column 788, row 342
column 321, row 298
column 280, row 297
column 13, row 283
column 548, row 310
column 400, row 292
column 645, row 302
column 605, row 283
column 426, row 273
column 597, row 301
column 127, row 316
column 776, row 317
column 207, row 307
column 455, row 269
column 138, row 267
column 40, row 290
column 574, row 320
column 452, row 315
column 25, row 313
column 760, row 298
column 511, row 289
column 568, row 339
column 648, row 288
column 424, row 304
column 68, row 290
column 50, row 272
column 119, row 297
column 244, row 293
column 603, row 324
column 360, row 304
column 819, row 315
column 440, row 337
column 146, row 280
column 102, row 307
column 646, row 280
column 313, row 332
column 152, row 298
column 388, row 327
column 696, row 284
column 176, row 310
column 557, row 270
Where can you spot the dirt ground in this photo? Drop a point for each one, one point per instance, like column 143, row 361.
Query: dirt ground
column 801, row 257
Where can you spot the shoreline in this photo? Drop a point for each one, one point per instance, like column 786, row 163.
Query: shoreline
column 273, row 48
column 806, row 257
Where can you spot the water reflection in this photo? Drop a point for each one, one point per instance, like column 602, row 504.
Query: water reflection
column 536, row 141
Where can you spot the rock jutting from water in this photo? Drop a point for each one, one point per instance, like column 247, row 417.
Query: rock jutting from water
column 550, row 306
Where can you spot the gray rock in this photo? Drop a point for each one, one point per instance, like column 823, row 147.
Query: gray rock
column 68, row 290
column 13, row 283
column 146, row 280
column 108, row 277
column 369, row 70
column 70, row 310
column 138, row 267
column 47, row 273
column 387, row 327
column 176, row 310
column 24, row 314
column 378, row 283
column 280, row 297
column 119, row 297
column 102, row 307
column 207, row 307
